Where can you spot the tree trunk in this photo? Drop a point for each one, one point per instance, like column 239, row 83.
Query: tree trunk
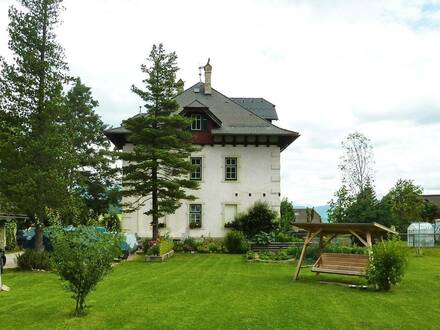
column 39, row 246
column 155, row 221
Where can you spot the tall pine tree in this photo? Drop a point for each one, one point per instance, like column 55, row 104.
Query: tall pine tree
column 33, row 159
column 156, row 174
column 94, row 187
column 49, row 141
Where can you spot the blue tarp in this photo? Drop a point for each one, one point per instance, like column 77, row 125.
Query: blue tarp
column 27, row 239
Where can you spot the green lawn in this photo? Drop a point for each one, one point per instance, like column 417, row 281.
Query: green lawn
column 224, row 292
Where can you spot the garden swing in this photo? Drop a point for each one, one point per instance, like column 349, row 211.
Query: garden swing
column 339, row 263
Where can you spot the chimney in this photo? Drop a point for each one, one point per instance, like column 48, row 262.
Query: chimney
column 180, row 86
column 208, row 71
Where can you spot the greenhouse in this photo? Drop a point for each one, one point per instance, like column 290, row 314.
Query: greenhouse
column 421, row 234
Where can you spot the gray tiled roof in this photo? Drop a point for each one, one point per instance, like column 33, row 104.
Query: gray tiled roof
column 258, row 106
column 234, row 117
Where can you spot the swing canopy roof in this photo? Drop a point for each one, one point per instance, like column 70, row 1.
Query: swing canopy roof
column 345, row 228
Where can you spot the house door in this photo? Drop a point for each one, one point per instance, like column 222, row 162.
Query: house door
column 230, row 212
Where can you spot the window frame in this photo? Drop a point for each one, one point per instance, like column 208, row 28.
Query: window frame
column 196, row 119
column 200, row 170
column 194, row 222
column 231, row 167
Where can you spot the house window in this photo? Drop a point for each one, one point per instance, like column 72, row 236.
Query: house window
column 196, row 124
column 231, row 168
column 196, row 173
column 195, row 215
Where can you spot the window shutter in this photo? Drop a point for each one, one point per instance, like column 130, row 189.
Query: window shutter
column 204, row 124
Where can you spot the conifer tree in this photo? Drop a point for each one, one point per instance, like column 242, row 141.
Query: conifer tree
column 33, row 160
column 93, row 180
column 156, row 174
column 49, row 141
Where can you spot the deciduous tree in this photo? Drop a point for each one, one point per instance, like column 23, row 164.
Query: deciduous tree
column 287, row 215
column 405, row 202
column 357, row 162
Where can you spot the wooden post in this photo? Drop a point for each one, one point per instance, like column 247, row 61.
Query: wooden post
column 369, row 241
column 359, row 237
column 310, row 236
column 320, row 248
column 301, row 258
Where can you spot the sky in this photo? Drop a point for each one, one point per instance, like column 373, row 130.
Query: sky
column 330, row 67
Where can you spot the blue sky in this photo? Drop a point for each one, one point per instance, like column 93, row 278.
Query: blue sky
column 330, row 67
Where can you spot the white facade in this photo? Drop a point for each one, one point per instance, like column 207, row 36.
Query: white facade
column 258, row 179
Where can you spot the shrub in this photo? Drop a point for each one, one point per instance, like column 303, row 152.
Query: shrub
column 178, row 246
column 216, row 246
column 190, row 244
column 153, row 250
column 209, row 245
column 259, row 218
column 82, row 257
column 268, row 255
column 338, row 248
column 262, row 238
column 387, row 264
column 33, row 259
column 203, row 248
column 312, row 250
column 112, row 222
column 279, row 236
column 235, row 242
column 251, row 255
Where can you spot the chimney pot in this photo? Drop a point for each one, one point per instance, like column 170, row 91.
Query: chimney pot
column 208, row 71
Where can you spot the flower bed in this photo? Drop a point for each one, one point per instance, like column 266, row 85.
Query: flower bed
column 158, row 250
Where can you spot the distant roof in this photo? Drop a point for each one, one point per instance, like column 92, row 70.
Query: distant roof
column 435, row 199
column 258, row 106
column 301, row 216
column 340, row 228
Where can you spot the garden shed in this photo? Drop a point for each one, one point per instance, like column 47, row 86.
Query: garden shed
column 338, row 263
column 421, row 234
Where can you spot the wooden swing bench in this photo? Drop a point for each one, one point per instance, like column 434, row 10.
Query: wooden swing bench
column 341, row 263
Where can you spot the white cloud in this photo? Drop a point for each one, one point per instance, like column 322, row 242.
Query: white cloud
column 331, row 68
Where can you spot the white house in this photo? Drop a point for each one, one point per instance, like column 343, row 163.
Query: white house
column 238, row 163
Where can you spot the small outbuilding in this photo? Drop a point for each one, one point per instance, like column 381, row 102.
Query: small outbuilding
column 421, row 234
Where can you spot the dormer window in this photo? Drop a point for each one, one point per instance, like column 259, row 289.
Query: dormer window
column 196, row 124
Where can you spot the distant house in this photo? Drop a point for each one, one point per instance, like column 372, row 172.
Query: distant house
column 301, row 215
column 434, row 199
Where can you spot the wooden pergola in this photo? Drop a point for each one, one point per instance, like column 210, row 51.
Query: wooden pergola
column 365, row 232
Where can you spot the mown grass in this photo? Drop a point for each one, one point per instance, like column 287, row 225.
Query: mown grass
column 224, row 292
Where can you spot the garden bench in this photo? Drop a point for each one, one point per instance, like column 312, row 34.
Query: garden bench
column 341, row 263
